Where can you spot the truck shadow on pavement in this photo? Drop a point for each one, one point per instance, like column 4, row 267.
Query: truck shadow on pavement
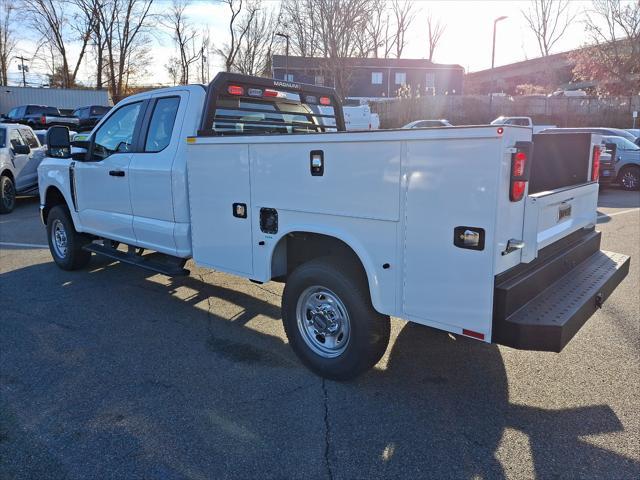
column 113, row 372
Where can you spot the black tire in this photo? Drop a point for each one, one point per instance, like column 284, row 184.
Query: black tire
column 368, row 330
column 72, row 257
column 629, row 178
column 7, row 194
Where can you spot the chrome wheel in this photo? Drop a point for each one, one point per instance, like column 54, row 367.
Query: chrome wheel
column 630, row 180
column 323, row 321
column 59, row 238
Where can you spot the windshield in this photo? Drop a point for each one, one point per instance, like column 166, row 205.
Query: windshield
column 622, row 143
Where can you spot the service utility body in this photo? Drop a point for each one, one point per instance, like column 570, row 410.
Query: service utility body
column 481, row 231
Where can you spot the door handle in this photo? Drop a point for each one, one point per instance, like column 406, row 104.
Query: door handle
column 116, row 173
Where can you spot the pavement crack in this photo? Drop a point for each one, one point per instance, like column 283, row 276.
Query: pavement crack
column 327, row 431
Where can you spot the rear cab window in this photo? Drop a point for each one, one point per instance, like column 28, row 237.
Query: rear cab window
column 161, row 124
column 239, row 105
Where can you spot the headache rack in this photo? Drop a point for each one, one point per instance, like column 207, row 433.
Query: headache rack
column 243, row 105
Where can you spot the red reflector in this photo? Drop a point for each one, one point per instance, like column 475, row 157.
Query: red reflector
column 471, row 333
column 595, row 164
column 500, row 130
column 325, row 101
column 519, row 162
column 235, row 90
column 270, row 93
column 517, row 191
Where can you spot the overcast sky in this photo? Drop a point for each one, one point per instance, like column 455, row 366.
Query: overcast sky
column 466, row 41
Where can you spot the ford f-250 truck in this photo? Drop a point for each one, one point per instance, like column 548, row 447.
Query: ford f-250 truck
column 481, row 231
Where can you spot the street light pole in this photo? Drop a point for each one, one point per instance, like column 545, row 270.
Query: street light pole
column 493, row 60
column 24, row 79
column 286, row 53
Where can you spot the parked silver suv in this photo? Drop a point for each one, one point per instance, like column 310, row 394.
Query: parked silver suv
column 20, row 155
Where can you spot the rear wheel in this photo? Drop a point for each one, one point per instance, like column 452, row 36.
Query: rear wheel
column 65, row 243
column 330, row 321
column 629, row 178
column 7, row 194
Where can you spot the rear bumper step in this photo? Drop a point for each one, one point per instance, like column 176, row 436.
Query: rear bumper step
column 550, row 319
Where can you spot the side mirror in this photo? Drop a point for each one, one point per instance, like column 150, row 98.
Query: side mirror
column 58, row 143
column 22, row 149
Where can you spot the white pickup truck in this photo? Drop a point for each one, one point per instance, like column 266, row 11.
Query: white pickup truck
column 522, row 122
column 465, row 229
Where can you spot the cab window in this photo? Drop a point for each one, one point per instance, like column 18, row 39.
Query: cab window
column 161, row 124
column 29, row 138
column 15, row 139
column 116, row 134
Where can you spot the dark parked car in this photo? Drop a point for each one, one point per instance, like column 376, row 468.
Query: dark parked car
column 40, row 116
column 627, row 162
column 89, row 116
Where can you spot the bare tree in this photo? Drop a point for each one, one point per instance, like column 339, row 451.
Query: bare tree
column 58, row 25
column 548, row 20
column 242, row 14
column 435, row 30
column 299, row 18
column 125, row 25
column 404, row 15
column 7, row 39
column 613, row 58
column 184, row 38
column 256, row 48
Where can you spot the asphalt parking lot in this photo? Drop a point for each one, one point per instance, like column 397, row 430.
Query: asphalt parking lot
column 113, row 372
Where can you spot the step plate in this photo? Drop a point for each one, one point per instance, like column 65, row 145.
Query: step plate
column 156, row 262
column 553, row 317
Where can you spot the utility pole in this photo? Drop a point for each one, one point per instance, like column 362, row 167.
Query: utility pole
column 286, row 54
column 24, row 69
column 493, row 61
column 203, row 60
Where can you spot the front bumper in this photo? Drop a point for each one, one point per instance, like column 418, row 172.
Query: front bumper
column 542, row 305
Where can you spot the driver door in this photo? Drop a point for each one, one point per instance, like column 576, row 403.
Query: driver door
column 102, row 179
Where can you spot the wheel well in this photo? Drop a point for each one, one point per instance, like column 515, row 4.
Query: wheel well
column 296, row 248
column 52, row 198
column 7, row 173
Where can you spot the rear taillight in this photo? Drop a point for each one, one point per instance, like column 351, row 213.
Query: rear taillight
column 595, row 164
column 43, row 120
column 325, row 101
column 519, row 171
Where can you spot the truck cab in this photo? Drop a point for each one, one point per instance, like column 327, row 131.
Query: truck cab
column 486, row 232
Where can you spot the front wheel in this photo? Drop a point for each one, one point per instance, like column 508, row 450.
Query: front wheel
column 65, row 243
column 630, row 178
column 330, row 321
column 7, row 194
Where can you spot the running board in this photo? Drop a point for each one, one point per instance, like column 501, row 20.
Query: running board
column 156, row 262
